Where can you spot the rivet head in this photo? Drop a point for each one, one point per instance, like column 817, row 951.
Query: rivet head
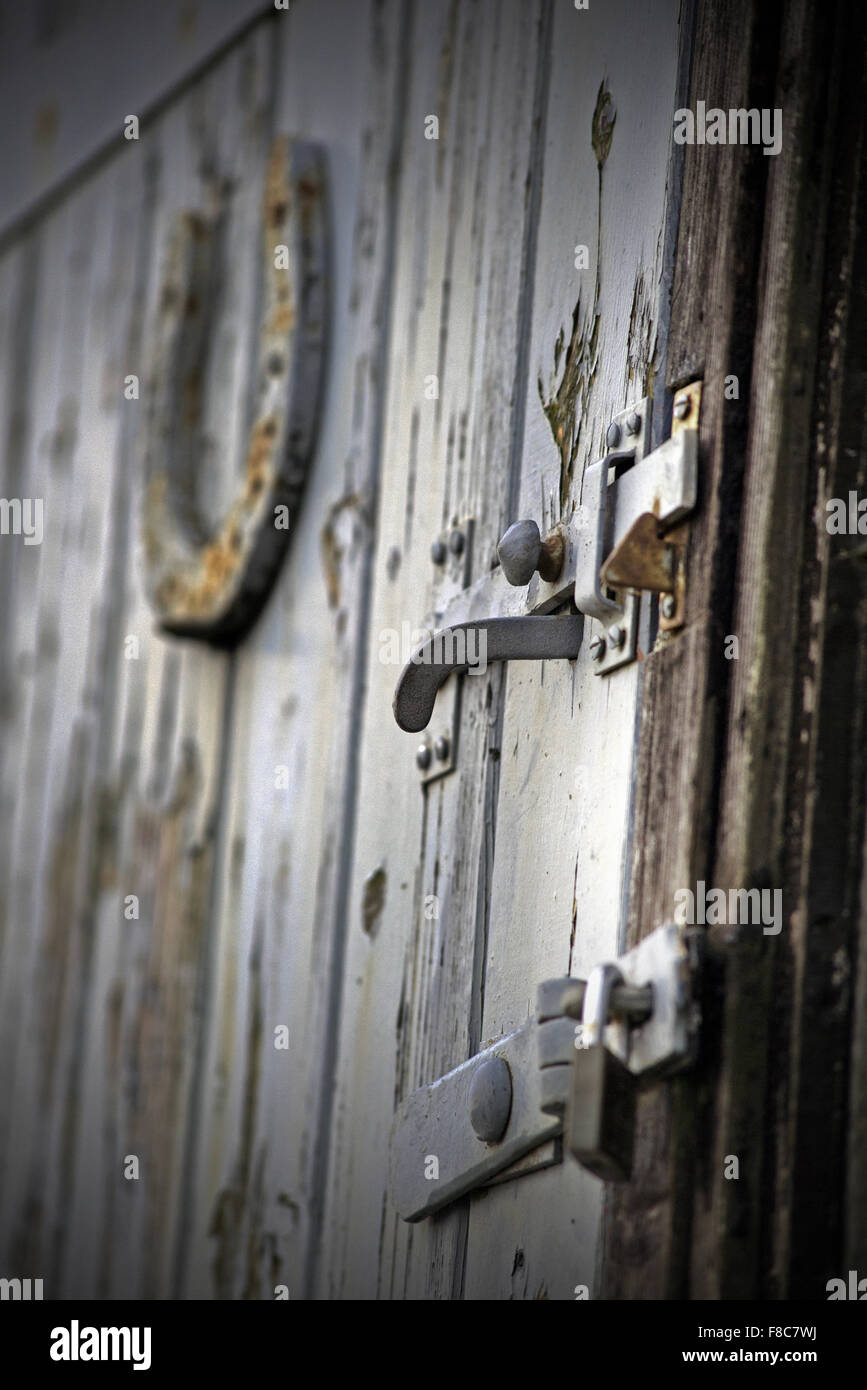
column 681, row 407
column 456, row 542
column 612, row 435
column 597, row 648
column 491, row 1099
column 616, row 636
column 441, row 747
column 422, row 756
column 633, row 422
column 669, row 607
column 438, row 553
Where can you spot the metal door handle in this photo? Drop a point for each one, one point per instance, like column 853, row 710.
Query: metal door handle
column 496, row 639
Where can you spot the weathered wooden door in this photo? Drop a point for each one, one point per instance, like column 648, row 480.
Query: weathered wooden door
column 533, row 248
column 242, row 916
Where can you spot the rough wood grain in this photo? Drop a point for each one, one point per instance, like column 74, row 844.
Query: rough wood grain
column 731, row 754
column 412, row 1000
column 282, row 914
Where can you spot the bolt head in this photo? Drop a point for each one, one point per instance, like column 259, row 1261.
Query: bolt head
column 441, row 747
column 456, row 542
column 519, row 552
column 612, row 435
column 491, row 1099
column 682, row 407
column 422, row 756
column 633, row 422
column 597, row 648
column 616, row 636
column 438, row 553
column 669, row 606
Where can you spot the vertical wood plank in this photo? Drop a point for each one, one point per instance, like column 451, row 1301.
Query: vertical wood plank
column 557, row 897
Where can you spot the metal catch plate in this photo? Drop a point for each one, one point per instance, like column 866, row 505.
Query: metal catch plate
column 668, row 959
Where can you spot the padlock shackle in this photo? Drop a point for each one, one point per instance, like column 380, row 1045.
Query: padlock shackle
column 597, row 1001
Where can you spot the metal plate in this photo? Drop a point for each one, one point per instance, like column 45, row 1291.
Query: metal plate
column 434, row 1122
column 453, row 579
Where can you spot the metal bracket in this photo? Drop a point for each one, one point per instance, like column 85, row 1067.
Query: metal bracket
column 669, row 959
column 628, row 542
column 437, row 754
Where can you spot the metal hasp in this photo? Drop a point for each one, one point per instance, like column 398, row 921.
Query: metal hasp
column 500, row 1115
column 632, row 502
column 623, row 539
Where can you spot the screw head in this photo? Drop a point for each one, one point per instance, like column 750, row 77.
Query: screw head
column 422, row 757
column 682, row 407
column 612, row 435
column 490, row 1099
column 669, row 606
column 438, row 553
column 616, row 636
column 456, row 542
column 597, row 648
column 441, row 747
column 633, row 422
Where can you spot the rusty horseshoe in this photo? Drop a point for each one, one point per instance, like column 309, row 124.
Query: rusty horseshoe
column 211, row 584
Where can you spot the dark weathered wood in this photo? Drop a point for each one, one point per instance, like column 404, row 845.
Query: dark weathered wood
column 731, row 751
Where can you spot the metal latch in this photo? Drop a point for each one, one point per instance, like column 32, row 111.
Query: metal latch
column 622, row 539
column 501, row 1114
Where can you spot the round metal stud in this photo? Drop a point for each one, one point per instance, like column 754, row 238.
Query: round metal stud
column 491, row 1099
column 441, row 748
column 422, row 756
column 519, row 552
column 612, row 435
column 616, row 636
column 681, row 407
column 633, row 422
column 597, row 648
column 669, row 606
column 456, row 542
column 438, row 552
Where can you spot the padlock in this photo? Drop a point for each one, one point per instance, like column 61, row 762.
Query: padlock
column 600, row 1115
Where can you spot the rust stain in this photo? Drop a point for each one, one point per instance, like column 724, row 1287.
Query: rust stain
column 192, row 586
column 331, row 549
column 200, row 587
column 373, row 901
column 277, row 191
column 282, row 320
